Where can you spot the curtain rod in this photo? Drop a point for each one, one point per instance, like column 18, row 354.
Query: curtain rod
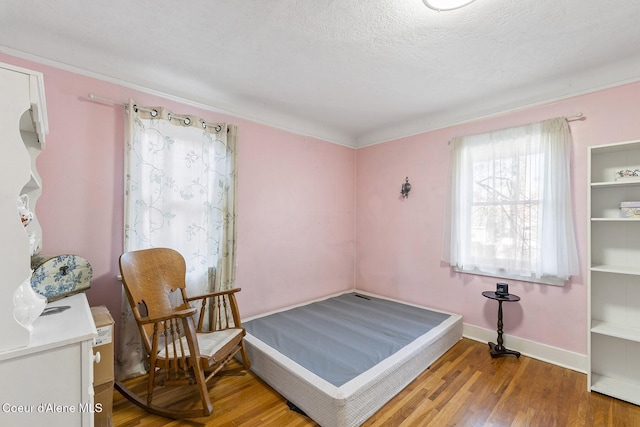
column 578, row 116
column 94, row 97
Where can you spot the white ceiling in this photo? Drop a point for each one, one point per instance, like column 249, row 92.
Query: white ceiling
column 352, row 72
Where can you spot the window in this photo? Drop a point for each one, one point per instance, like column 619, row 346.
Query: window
column 510, row 212
column 180, row 186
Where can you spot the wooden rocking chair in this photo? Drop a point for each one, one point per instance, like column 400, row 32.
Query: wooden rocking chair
column 179, row 352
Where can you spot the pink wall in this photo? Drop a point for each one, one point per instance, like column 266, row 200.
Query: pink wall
column 399, row 240
column 296, row 201
column 296, row 234
column 298, row 231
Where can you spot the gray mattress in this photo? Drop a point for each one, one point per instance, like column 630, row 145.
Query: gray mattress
column 342, row 337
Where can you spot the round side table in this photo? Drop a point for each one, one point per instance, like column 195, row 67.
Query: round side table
column 499, row 350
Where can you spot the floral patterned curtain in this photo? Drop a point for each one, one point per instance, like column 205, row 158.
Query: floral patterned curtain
column 180, row 183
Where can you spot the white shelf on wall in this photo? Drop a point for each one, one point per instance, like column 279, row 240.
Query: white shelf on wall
column 615, row 219
column 613, row 281
column 619, row 269
column 613, row 387
column 614, row 184
column 615, row 330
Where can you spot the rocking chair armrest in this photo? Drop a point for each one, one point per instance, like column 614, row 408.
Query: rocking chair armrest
column 214, row 294
column 219, row 299
column 180, row 314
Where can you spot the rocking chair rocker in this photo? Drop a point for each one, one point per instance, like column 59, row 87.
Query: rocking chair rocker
column 179, row 352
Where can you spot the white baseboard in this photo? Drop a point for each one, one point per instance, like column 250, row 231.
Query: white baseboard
column 546, row 353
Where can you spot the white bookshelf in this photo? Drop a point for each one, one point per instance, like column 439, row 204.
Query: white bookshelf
column 614, row 274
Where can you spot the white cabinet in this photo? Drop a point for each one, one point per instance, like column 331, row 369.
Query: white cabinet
column 23, row 125
column 46, row 373
column 50, row 381
column 614, row 273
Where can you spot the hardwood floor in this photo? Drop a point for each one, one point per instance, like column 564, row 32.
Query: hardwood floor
column 466, row 387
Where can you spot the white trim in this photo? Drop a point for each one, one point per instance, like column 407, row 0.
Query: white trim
column 505, row 275
column 546, row 353
column 418, row 127
column 367, row 139
column 319, row 132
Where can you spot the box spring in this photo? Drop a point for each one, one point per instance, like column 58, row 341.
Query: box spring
column 358, row 399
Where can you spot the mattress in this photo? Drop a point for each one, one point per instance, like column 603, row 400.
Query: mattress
column 341, row 358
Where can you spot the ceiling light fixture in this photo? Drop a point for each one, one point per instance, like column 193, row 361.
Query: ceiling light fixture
column 443, row 5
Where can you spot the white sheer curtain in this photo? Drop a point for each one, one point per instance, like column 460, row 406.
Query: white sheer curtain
column 180, row 180
column 510, row 211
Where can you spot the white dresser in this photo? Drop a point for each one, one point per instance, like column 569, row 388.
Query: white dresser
column 46, row 375
column 50, row 381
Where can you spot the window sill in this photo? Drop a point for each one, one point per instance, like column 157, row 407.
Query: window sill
column 504, row 275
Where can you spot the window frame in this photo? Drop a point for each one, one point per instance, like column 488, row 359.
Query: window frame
column 535, row 157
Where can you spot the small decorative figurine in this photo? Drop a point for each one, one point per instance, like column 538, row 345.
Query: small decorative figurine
column 26, row 216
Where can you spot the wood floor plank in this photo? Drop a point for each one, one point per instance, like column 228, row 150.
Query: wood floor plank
column 465, row 388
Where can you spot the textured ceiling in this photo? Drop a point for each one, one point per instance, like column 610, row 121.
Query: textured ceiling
column 348, row 71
